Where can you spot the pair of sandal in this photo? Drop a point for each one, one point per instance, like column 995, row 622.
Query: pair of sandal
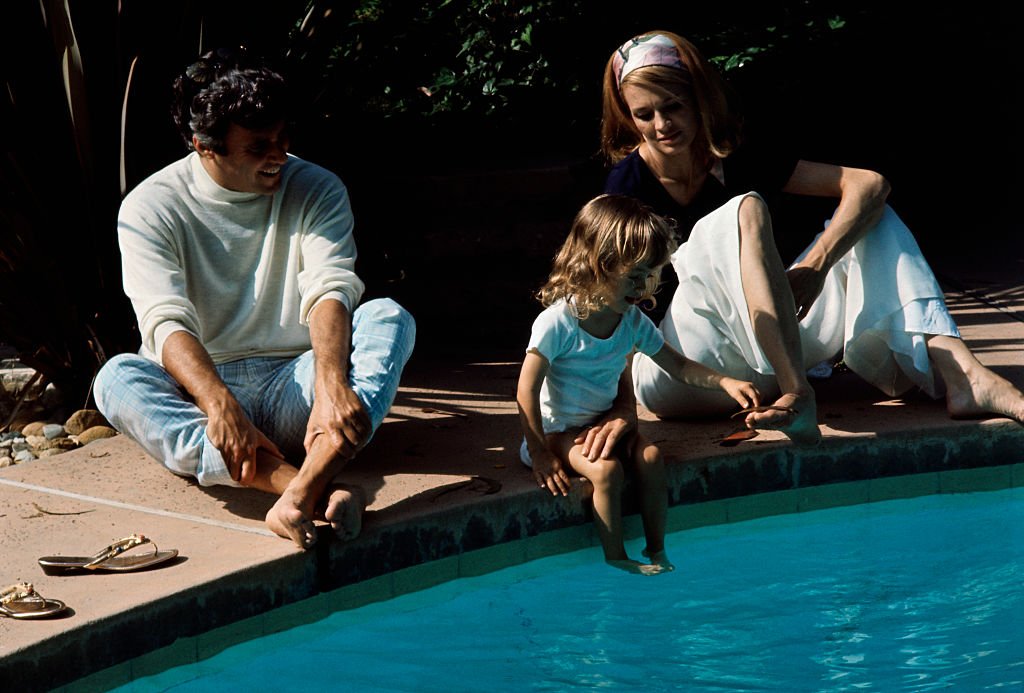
column 21, row 600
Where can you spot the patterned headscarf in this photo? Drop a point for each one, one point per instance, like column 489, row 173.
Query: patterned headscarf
column 644, row 51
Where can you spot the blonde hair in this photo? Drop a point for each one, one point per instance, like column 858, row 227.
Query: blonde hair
column 610, row 235
column 720, row 123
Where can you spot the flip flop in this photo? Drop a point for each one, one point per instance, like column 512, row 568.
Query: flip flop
column 21, row 600
column 109, row 558
column 765, row 407
column 736, row 437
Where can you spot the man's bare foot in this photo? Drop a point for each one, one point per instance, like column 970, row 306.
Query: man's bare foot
column 982, row 393
column 635, row 567
column 659, row 558
column 794, row 414
column 344, row 508
column 287, row 519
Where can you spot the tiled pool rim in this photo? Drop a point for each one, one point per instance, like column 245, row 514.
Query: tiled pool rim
column 500, row 531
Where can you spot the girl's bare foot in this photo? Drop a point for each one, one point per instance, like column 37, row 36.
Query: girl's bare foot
column 344, row 510
column 659, row 558
column 635, row 567
column 286, row 519
column 795, row 414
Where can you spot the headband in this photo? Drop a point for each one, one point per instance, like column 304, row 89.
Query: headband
column 644, row 51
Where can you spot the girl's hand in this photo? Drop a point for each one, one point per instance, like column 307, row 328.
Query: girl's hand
column 549, row 474
column 742, row 391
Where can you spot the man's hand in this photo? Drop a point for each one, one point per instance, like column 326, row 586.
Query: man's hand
column 238, row 440
column 599, row 440
column 806, row 283
column 227, row 426
column 339, row 414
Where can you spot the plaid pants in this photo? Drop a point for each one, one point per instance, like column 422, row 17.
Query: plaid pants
column 143, row 401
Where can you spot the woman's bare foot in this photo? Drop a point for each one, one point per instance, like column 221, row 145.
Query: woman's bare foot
column 344, row 506
column 983, row 393
column 794, row 414
column 972, row 390
column 635, row 567
column 287, row 519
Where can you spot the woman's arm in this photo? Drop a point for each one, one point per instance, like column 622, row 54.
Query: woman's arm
column 862, row 194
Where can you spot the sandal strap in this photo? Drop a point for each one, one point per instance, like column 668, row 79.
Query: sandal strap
column 764, row 408
column 16, row 592
column 116, row 549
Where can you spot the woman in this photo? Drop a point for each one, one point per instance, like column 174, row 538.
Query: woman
column 862, row 288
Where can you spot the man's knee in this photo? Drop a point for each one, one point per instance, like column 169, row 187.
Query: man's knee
column 386, row 310
column 110, row 376
column 381, row 312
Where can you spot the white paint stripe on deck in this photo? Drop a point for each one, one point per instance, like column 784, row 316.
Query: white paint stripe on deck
column 139, row 508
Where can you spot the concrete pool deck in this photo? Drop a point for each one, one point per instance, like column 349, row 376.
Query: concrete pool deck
column 448, row 499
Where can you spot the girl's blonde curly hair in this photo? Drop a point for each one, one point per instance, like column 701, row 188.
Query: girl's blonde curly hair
column 609, row 236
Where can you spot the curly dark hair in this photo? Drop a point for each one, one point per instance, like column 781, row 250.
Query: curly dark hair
column 227, row 86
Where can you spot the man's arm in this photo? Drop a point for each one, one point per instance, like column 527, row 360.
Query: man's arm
column 228, row 427
column 337, row 410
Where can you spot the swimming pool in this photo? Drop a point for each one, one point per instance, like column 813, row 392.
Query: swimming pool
column 914, row 595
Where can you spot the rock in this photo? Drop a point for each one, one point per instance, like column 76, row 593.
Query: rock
column 50, row 452
column 24, row 456
column 33, row 429
column 39, row 443
column 84, row 419
column 6, row 462
column 95, row 433
column 53, row 430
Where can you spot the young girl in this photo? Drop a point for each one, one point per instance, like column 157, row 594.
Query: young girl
column 577, row 361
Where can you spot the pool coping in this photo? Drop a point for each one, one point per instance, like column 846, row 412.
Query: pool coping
column 806, row 480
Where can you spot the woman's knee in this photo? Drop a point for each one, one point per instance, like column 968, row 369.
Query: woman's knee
column 755, row 220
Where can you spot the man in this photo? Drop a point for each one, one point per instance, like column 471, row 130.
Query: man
column 257, row 368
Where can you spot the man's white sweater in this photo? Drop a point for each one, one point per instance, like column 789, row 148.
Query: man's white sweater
column 239, row 271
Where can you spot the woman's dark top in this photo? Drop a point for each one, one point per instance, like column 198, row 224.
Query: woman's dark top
column 763, row 170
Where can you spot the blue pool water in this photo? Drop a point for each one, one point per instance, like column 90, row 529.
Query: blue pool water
column 912, row 595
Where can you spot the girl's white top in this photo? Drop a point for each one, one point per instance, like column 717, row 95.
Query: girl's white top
column 583, row 374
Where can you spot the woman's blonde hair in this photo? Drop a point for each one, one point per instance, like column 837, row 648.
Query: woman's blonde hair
column 610, row 235
column 715, row 102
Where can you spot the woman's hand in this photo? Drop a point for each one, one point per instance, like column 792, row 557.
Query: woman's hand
column 742, row 391
column 806, row 283
column 549, row 473
column 600, row 440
